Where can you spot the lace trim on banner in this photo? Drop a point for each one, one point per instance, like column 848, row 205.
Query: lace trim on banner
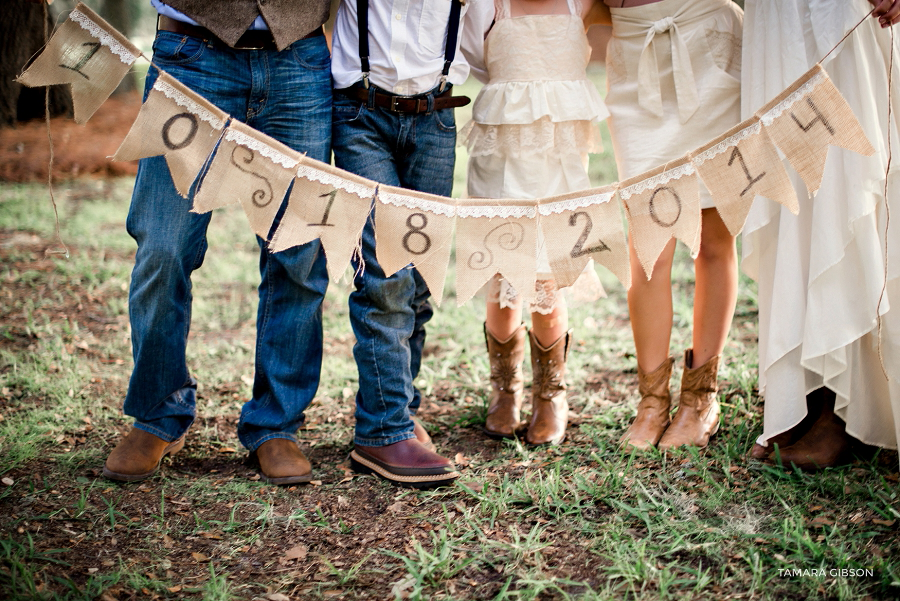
column 125, row 55
column 336, row 181
column 496, row 211
column 411, row 202
column 574, row 203
column 727, row 143
column 262, row 148
column 788, row 102
column 182, row 100
column 657, row 180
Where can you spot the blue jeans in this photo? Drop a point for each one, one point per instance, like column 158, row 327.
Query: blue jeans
column 286, row 95
column 388, row 314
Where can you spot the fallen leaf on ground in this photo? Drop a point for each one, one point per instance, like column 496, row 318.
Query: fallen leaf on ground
column 461, row 460
column 884, row 522
column 8, row 481
column 277, row 597
column 199, row 557
column 298, row 552
column 396, row 507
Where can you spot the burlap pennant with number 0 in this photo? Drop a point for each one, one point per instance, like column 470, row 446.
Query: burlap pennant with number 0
column 251, row 168
column 661, row 204
column 88, row 53
column 582, row 226
column 177, row 123
column 739, row 165
column 415, row 228
column 807, row 117
column 329, row 204
column 500, row 237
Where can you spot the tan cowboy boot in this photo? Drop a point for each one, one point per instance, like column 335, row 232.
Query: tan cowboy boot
column 652, row 417
column 549, row 408
column 281, row 461
column 697, row 417
column 138, row 456
column 506, row 357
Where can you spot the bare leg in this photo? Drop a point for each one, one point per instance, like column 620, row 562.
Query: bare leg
column 551, row 327
column 502, row 322
column 715, row 291
column 650, row 308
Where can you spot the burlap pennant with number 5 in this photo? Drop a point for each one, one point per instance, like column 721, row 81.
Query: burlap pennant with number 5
column 251, row 168
column 415, row 228
column 329, row 204
column 661, row 204
column 500, row 237
column 739, row 165
column 807, row 117
column 582, row 226
column 88, row 53
column 177, row 123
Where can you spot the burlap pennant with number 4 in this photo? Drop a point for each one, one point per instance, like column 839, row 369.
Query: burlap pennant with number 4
column 661, row 204
column 177, row 123
column 329, row 204
column 739, row 165
column 415, row 228
column 251, row 168
column 88, row 53
column 500, row 237
column 807, row 117
column 582, row 226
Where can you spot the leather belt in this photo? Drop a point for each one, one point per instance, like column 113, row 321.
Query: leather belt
column 254, row 39
column 405, row 104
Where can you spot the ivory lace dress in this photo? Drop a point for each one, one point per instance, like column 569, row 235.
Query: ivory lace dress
column 533, row 125
column 821, row 272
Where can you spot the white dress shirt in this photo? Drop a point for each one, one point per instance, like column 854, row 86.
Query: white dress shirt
column 406, row 44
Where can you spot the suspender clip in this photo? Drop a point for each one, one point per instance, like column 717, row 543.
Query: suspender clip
column 366, row 80
column 443, row 84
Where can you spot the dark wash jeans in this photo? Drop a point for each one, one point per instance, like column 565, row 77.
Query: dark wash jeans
column 286, row 95
column 388, row 314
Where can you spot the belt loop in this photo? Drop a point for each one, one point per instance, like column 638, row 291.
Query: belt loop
column 430, row 99
column 370, row 104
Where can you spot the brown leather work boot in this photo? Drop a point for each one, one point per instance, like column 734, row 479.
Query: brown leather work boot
column 652, row 417
column 281, row 461
column 549, row 407
column 405, row 463
column 825, row 445
column 697, row 417
column 504, row 412
column 138, row 456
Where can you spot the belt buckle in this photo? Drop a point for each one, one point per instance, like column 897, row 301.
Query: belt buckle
column 394, row 108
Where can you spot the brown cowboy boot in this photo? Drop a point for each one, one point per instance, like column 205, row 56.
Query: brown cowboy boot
column 697, row 417
column 506, row 357
column 549, row 408
column 281, row 461
column 652, row 417
column 825, row 445
column 138, row 456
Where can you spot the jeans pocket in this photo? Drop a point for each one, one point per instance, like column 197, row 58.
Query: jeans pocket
column 345, row 110
column 312, row 53
column 176, row 49
column 445, row 120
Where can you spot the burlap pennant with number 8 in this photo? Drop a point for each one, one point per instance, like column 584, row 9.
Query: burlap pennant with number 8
column 739, row 165
column 329, row 204
column 177, row 123
column 88, row 53
column 415, row 228
column 500, row 237
column 661, row 204
column 807, row 117
column 582, row 226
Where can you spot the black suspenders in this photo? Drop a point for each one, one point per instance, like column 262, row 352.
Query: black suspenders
column 362, row 21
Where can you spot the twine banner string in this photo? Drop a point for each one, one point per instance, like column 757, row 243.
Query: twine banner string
column 887, row 211
column 65, row 251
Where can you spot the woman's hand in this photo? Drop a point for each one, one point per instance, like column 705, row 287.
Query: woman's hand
column 886, row 11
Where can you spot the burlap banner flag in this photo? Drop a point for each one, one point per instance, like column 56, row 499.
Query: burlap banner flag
column 329, row 204
column 662, row 204
column 582, row 226
column 415, row 228
column 177, row 123
column 500, row 237
column 807, row 117
column 88, row 53
column 740, row 164
column 251, row 168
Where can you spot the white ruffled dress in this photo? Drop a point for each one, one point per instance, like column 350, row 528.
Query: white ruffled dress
column 534, row 123
column 821, row 273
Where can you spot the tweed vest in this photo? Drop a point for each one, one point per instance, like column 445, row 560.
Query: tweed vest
column 289, row 20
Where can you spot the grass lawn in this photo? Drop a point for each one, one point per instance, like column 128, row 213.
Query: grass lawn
column 579, row 521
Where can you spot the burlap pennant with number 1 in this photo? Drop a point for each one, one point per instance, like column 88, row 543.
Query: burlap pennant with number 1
column 739, row 165
column 661, row 204
column 88, row 53
column 329, row 204
column 415, row 228
column 177, row 123
column 807, row 117
column 251, row 168
column 500, row 237
column 582, row 226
